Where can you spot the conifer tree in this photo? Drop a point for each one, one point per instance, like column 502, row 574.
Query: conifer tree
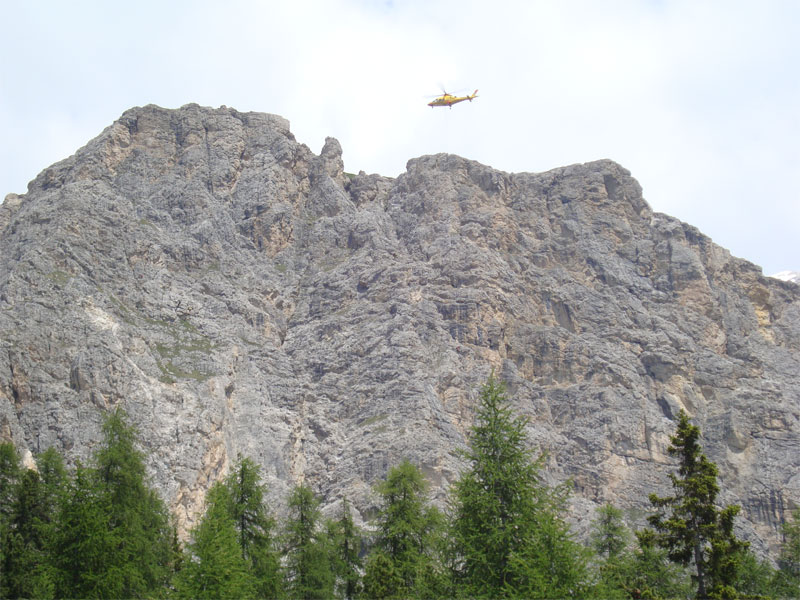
column 758, row 579
column 381, row 579
column 85, row 542
column 346, row 543
column 254, row 526
column 27, row 568
column 508, row 532
column 54, row 477
column 308, row 557
column 9, row 473
column 408, row 542
column 610, row 539
column 139, row 515
column 652, row 573
column 689, row 525
column 215, row 567
column 790, row 549
column 639, row 571
column 109, row 513
column 786, row 582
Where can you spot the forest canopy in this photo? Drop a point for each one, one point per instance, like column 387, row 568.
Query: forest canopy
column 101, row 531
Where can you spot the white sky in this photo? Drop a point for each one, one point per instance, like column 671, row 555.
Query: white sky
column 700, row 100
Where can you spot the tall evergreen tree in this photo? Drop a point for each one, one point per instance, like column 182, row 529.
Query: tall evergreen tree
column 758, row 579
column 508, row 531
column 85, row 541
column 308, row 561
column 407, row 544
column 652, row 574
column 639, row 571
column 790, row 549
column 28, row 567
column 786, row 582
column 381, row 578
column 346, row 543
column 215, row 567
column 54, row 477
column 610, row 539
column 689, row 525
column 254, row 526
column 139, row 514
column 111, row 514
column 9, row 474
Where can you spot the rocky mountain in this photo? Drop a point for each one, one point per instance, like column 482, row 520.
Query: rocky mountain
column 237, row 293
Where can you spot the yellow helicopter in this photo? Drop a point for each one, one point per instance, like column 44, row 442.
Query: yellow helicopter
column 449, row 99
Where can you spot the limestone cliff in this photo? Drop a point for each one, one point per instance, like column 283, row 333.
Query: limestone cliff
column 237, row 293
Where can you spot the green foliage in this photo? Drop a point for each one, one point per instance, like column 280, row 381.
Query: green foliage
column 689, row 526
column 53, row 475
column 758, row 579
column 508, row 533
column 652, row 574
column 215, row 567
column 786, row 581
column 9, row 473
column 346, row 542
column 790, row 550
column 308, row 557
column 610, row 539
column 112, row 536
column 409, row 538
column 623, row 571
column 85, row 542
column 103, row 533
column 381, row 579
column 254, row 527
column 26, row 568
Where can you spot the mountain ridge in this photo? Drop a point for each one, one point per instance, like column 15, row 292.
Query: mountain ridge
column 238, row 294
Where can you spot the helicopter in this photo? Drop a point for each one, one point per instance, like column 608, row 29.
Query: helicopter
column 449, row 99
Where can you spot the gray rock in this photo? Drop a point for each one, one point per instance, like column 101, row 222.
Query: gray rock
column 238, row 294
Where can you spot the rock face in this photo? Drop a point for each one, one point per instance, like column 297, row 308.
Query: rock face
column 238, row 294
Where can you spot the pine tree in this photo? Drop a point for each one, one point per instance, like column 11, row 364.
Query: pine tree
column 85, row 542
column 346, row 541
column 408, row 543
column 139, row 515
column 308, row 561
column 27, row 568
column 254, row 526
column 758, row 579
column 508, row 531
column 9, row 474
column 689, row 525
column 610, row 539
column 111, row 514
column 215, row 567
column 652, row 574
column 381, row 578
column 787, row 579
column 54, row 477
